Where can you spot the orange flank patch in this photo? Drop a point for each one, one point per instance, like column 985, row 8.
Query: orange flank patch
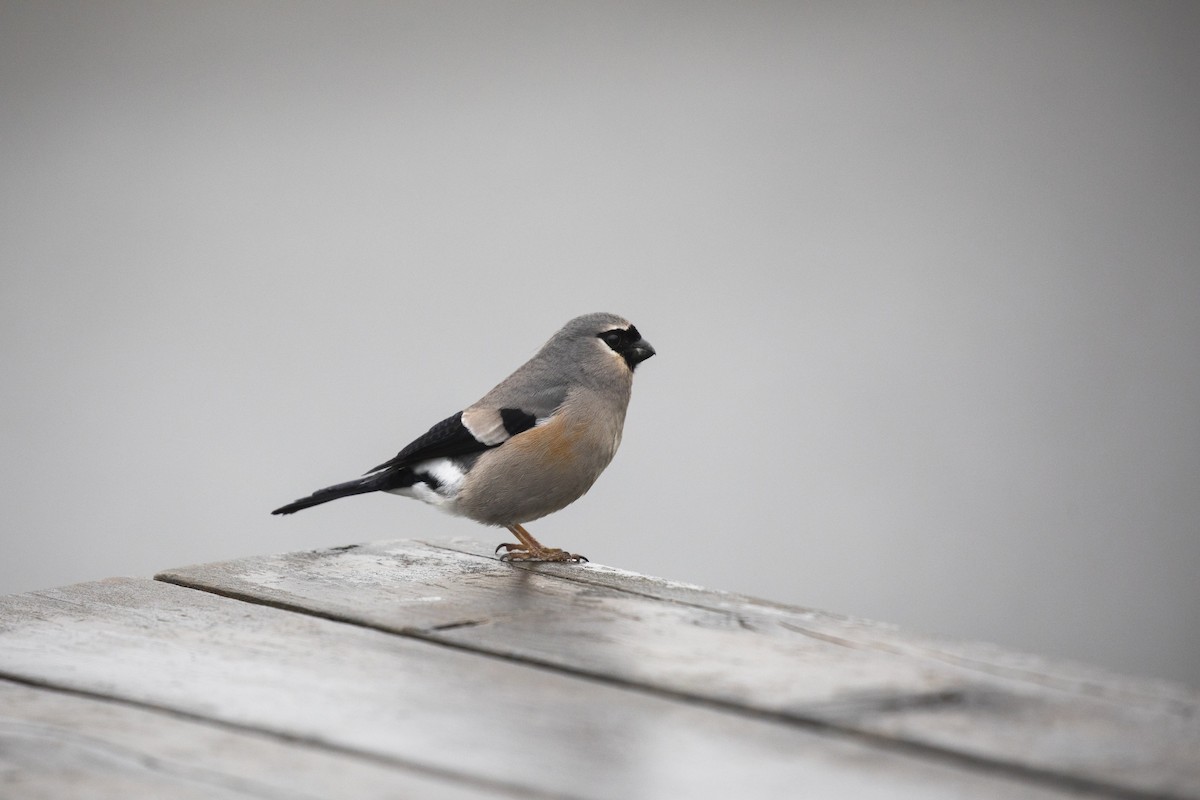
column 554, row 441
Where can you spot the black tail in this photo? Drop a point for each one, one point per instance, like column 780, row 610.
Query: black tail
column 359, row 486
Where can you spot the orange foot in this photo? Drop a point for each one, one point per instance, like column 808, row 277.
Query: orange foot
column 530, row 549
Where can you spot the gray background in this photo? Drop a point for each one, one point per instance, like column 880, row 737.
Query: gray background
column 923, row 279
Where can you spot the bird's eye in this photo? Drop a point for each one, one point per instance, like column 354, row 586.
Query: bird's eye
column 612, row 338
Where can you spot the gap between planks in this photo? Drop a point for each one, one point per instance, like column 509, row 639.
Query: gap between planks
column 994, row 766
column 464, row 778
column 1085, row 685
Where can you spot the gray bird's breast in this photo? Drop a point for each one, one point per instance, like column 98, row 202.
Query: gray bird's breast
column 541, row 470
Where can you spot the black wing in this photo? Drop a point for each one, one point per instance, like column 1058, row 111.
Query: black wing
column 451, row 438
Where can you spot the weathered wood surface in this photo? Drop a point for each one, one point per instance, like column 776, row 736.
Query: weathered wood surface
column 56, row 745
column 969, row 701
column 443, row 711
column 419, row 670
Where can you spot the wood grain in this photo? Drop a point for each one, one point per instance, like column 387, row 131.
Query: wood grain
column 56, row 745
column 489, row 722
column 1061, row 724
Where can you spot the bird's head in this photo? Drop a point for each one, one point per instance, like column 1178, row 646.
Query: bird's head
column 607, row 334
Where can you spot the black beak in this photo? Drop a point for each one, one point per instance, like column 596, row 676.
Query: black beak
column 638, row 352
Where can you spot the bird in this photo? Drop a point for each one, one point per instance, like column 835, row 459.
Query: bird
column 531, row 446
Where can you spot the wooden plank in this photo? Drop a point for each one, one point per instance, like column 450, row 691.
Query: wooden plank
column 978, row 702
column 55, row 744
column 444, row 710
column 871, row 634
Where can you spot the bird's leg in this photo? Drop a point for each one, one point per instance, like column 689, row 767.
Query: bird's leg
column 530, row 549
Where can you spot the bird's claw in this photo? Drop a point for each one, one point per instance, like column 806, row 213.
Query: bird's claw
column 519, row 552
